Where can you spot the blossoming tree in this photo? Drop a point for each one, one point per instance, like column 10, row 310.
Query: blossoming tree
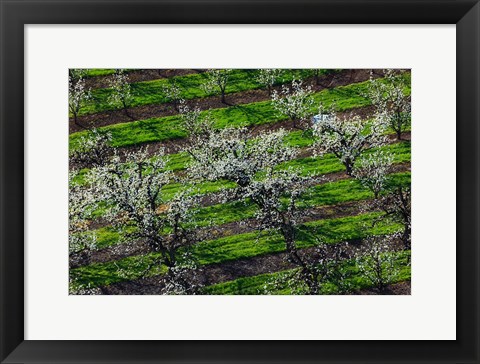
column 348, row 137
column 134, row 191
column 294, row 102
column 78, row 94
column 216, row 82
column 388, row 95
column 121, row 91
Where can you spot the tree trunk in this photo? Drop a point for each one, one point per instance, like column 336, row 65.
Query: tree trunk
column 348, row 167
column 399, row 134
column 406, row 238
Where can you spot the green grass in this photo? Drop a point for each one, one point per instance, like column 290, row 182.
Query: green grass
column 169, row 127
column 151, row 92
column 255, row 285
column 95, row 72
column 235, row 247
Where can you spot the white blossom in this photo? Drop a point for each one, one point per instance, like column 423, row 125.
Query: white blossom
column 375, row 260
column 372, row 170
column 121, row 91
column 172, row 93
column 134, row 192
column 230, row 154
column 78, row 94
column 391, row 102
column 92, row 149
column 348, row 138
column 216, row 83
column 267, row 77
column 81, row 204
column 294, row 102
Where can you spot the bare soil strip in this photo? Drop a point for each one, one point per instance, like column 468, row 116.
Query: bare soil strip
column 400, row 288
column 105, row 118
column 140, row 75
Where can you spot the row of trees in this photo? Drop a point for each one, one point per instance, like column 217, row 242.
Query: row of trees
column 133, row 186
column 295, row 102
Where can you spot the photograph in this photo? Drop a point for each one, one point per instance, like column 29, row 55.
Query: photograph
column 267, row 181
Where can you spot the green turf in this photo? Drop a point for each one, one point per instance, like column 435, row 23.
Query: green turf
column 95, row 72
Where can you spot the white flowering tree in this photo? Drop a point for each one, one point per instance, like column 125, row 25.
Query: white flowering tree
column 376, row 261
column 252, row 163
column 78, row 94
column 347, row 138
column 93, row 149
column 121, row 91
column 388, row 95
column 325, row 264
column 77, row 73
column 172, row 93
column 231, row 154
column 372, row 170
column 396, row 206
column 216, row 82
column 81, row 204
column 294, row 102
column 133, row 190
column 267, row 77
column 197, row 126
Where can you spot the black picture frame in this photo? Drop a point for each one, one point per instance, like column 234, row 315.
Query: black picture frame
column 15, row 14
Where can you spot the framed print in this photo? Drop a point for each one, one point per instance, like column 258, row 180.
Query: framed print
column 239, row 181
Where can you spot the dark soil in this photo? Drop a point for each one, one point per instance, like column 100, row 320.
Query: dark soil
column 401, row 288
column 342, row 78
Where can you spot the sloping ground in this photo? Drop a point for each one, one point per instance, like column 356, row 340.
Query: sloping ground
column 235, row 261
column 346, row 98
column 240, row 95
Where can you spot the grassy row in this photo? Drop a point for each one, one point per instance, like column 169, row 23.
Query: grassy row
column 151, row 92
column 256, row 284
column 234, row 247
column 96, row 72
column 257, row 113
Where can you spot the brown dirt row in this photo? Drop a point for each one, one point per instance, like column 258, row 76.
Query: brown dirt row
column 400, row 288
column 140, row 75
column 342, row 78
